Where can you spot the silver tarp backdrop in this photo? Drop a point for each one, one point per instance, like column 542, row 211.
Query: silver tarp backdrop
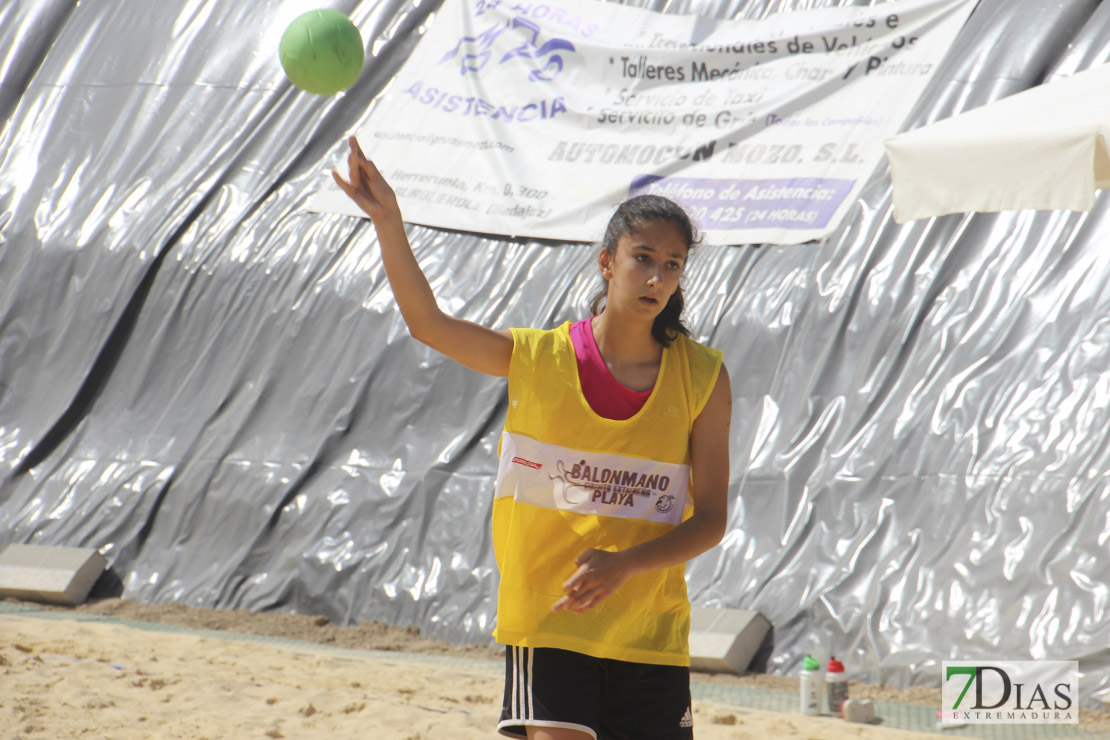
column 214, row 386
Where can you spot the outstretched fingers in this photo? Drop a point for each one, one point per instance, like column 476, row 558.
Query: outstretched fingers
column 363, row 171
column 365, row 184
column 346, row 187
column 353, row 143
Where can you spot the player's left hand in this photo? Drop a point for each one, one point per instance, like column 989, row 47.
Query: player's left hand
column 599, row 575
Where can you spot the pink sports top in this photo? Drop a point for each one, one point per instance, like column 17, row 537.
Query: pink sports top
column 607, row 396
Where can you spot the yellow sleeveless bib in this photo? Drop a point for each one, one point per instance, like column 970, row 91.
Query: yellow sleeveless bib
column 569, row 480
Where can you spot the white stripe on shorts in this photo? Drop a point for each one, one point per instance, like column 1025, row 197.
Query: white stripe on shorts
column 522, row 708
column 520, row 683
column 531, row 655
column 514, row 708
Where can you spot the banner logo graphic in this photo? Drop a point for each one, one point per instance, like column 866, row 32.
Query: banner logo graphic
column 545, row 61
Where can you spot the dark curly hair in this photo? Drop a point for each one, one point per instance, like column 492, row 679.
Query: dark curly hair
column 630, row 217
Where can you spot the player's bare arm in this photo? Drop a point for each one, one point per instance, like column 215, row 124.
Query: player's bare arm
column 473, row 345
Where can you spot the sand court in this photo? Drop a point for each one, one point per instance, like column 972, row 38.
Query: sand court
column 67, row 675
column 73, row 679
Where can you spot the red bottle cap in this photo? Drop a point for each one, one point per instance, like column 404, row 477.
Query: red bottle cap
column 835, row 666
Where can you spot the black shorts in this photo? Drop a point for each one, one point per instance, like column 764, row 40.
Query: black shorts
column 609, row 699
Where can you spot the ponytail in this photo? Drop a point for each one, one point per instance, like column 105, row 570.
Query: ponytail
column 669, row 324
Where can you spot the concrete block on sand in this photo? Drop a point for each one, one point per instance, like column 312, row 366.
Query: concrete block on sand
column 48, row 573
column 725, row 640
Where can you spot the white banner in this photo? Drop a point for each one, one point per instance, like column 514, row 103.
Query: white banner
column 602, row 484
column 538, row 118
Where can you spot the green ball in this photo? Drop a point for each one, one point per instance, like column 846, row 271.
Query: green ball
column 321, row 52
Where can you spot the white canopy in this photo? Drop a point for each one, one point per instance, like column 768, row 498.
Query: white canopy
column 1044, row 148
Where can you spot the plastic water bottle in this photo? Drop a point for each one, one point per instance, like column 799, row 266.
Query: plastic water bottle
column 858, row 710
column 812, row 686
column 836, row 685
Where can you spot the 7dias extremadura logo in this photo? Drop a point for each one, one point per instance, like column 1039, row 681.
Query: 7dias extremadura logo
column 1010, row 692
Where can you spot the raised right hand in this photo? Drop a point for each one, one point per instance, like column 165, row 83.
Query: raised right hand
column 367, row 187
column 473, row 345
